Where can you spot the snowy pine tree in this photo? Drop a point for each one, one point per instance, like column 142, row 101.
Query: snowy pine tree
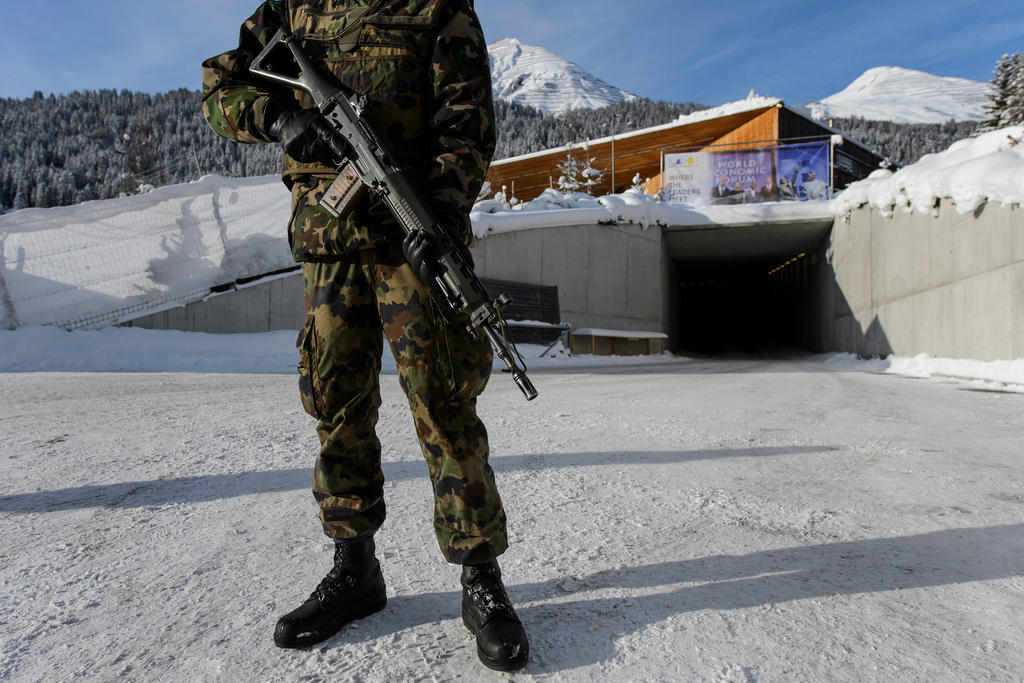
column 591, row 177
column 570, row 169
column 1006, row 101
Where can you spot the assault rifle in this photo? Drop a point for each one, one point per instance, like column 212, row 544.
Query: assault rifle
column 371, row 166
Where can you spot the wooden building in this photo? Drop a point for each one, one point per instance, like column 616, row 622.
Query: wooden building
column 761, row 123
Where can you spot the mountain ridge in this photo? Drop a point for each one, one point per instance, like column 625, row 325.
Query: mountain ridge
column 901, row 95
column 535, row 77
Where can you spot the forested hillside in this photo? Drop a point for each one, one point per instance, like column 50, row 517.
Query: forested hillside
column 905, row 143
column 66, row 149
column 59, row 150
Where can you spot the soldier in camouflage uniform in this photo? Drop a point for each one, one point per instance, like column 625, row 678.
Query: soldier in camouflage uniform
column 422, row 67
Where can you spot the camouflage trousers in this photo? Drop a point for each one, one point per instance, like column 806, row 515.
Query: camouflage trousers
column 351, row 306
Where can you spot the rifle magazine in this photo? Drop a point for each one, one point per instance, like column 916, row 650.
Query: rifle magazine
column 343, row 194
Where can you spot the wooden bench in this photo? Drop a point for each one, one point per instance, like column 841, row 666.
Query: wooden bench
column 533, row 316
column 601, row 342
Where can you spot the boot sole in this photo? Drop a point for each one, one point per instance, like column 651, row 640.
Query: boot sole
column 300, row 642
column 497, row 665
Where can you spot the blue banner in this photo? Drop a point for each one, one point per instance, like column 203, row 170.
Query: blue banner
column 745, row 176
column 803, row 172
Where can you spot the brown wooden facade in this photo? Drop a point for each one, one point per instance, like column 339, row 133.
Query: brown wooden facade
column 525, row 177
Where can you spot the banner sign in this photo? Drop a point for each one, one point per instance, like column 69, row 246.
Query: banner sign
column 784, row 173
column 686, row 177
column 803, row 171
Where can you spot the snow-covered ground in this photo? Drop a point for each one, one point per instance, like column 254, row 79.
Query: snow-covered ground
column 802, row 518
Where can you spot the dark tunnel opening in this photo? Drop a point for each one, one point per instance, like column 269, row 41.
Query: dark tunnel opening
column 749, row 306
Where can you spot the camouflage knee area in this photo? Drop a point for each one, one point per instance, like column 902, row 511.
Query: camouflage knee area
column 340, row 348
column 442, row 369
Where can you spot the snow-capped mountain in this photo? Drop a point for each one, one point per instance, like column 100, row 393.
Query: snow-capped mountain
column 892, row 93
column 532, row 76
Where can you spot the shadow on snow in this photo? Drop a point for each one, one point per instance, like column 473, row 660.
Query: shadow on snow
column 203, row 488
column 585, row 629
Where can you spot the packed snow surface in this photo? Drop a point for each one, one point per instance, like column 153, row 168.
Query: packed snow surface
column 533, row 76
column 988, row 167
column 892, row 93
column 721, row 519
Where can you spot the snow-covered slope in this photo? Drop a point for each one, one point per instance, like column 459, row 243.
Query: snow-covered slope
column 532, row 76
column 96, row 262
column 892, row 93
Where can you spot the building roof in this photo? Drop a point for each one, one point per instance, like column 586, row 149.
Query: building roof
column 640, row 151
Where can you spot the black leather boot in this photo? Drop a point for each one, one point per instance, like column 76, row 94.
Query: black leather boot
column 486, row 611
column 354, row 588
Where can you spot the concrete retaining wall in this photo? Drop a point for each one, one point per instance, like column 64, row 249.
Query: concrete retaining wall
column 950, row 285
column 271, row 304
column 608, row 276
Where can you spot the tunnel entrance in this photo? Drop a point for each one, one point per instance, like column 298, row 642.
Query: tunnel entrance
column 745, row 289
column 746, row 307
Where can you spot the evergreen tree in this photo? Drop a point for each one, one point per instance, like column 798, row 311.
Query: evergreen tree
column 1006, row 99
column 591, row 177
column 570, row 169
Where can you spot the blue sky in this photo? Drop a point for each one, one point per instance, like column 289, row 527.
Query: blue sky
column 662, row 49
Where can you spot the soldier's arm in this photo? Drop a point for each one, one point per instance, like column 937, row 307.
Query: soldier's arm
column 233, row 101
column 462, row 125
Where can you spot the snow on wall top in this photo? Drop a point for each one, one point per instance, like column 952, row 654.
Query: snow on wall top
column 989, row 167
column 554, row 208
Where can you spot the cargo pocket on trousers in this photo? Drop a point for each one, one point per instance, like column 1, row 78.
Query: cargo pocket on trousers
column 309, row 376
column 465, row 361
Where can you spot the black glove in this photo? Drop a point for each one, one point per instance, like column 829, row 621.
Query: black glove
column 422, row 249
column 304, row 134
column 455, row 223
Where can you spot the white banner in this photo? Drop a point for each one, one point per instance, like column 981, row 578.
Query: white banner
column 688, row 178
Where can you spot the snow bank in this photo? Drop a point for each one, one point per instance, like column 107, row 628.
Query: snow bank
column 94, row 262
column 555, row 209
column 1005, row 375
column 989, row 167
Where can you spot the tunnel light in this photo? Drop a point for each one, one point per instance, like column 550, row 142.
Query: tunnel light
column 787, row 263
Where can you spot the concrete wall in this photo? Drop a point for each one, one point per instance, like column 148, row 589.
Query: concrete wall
column 947, row 285
column 271, row 304
column 950, row 285
column 608, row 276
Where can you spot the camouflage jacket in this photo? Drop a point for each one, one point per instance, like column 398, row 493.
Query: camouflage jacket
column 423, row 68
